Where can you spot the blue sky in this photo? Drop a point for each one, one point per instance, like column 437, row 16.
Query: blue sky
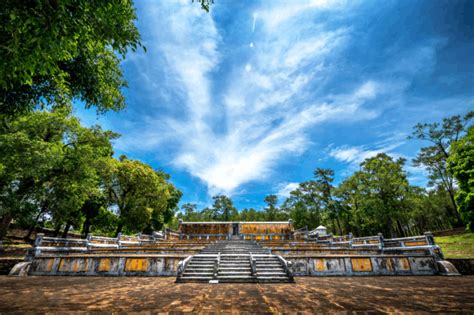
column 249, row 99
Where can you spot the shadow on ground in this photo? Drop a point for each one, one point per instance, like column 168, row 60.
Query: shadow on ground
column 382, row 294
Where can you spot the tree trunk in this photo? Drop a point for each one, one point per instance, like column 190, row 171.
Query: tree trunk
column 32, row 228
column 66, row 229
column 4, row 225
column 119, row 229
column 400, row 228
column 57, row 229
column 339, row 226
column 86, row 227
column 455, row 212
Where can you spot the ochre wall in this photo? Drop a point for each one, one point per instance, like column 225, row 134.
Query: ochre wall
column 212, row 228
column 270, row 228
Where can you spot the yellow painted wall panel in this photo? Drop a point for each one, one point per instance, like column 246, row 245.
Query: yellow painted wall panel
column 104, row 264
column 48, row 263
column 320, row 264
column 416, row 243
column 361, row 264
column 404, row 264
column 136, row 264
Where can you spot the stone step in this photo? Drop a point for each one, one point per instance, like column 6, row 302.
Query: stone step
column 271, row 274
column 234, row 277
column 198, row 274
column 273, row 278
column 196, row 278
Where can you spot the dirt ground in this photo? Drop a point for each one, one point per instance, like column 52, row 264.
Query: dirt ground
column 318, row 294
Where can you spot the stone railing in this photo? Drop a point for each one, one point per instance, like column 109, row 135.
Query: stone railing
column 376, row 242
column 182, row 266
column 91, row 242
column 265, row 237
column 287, row 265
column 205, row 236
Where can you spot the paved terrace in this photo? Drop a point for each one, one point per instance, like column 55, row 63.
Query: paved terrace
column 382, row 294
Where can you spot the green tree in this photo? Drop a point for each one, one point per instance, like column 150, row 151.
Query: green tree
column 55, row 51
column 434, row 157
column 304, row 205
column 461, row 165
column 189, row 212
column 91, row 209
column 384, row 186
column 224, row 208
column 136, row 191
column 331, row 207
column 271, row 210
column 31, row 146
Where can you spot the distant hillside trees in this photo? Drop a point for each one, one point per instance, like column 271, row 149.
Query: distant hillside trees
column 378, row 197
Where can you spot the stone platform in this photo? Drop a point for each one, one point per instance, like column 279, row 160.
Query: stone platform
column 307, row 295
column 146, row 256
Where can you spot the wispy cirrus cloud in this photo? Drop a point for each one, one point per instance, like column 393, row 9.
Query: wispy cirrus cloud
column 265, row 107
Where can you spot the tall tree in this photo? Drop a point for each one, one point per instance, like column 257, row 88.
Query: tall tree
column 224, row 208
column 55, row 51
column 384, row 185
column 136, row 190
column 31, row 147
column 434, row 157
column 324, row 179
column 461, row 165
column 271, row 210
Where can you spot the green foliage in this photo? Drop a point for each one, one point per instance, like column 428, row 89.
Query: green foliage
column 52, row 166
column 434, row 157
column 54, row 51
column 205, row 4
column 271, row 210
column 461, row 165
column 139, row 193
column 223, row 209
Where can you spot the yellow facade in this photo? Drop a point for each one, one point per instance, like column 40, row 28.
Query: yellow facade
column 136, row 264
column 361, row 264
column 104, row 265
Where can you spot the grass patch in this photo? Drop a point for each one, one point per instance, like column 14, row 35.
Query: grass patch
column 457, row 246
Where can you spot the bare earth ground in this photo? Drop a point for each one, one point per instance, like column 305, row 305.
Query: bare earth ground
column 148, row 295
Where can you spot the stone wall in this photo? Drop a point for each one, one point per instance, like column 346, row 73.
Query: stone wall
column 386, row 265
column 136, row 265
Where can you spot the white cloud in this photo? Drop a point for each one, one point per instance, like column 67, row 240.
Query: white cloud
column 286, row 188
column 265, row 108
column 357, row 154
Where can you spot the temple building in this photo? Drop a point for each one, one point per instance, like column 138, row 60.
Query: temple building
column 260, row 231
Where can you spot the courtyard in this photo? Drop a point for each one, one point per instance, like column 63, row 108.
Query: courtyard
column 315, row 294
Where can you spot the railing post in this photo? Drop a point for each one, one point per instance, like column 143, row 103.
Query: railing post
column 118, row 240
column 216, row 265
column 88, row 241
column 38, row 241
column 429, row 238
column 381, row 240
column 253, row 265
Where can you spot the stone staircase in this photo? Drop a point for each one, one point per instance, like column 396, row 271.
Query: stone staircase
column 234, row 261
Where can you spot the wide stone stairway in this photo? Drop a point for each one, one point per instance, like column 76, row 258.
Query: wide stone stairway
column 234, row 261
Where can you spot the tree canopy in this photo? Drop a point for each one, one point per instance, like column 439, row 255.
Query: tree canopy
column 461, row 164
column 55, row 51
